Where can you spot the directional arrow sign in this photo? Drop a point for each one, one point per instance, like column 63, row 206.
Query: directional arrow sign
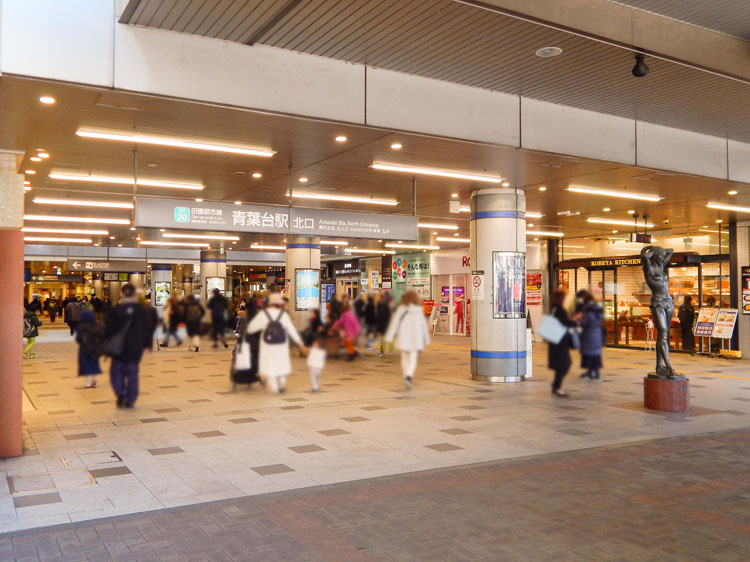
column 76, row 265
column 123, row 266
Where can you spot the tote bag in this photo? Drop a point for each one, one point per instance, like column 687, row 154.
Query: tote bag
column 551, row 329
column 242, row 359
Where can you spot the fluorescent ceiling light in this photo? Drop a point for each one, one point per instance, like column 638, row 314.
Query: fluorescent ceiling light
column 189, row 244
column 142, row 182
column 724, row 207
column 617, row 222
column 55, row 218
column 334, row 243
column 577, row 254
column 50, row 239
column 83, row 203
column 533, row 215
column 352, row 251
column 42, row 154
column 344, row 198
column 47, row 100
column 613, row 193
column 35, row 159
column 160, row 140
column 435, row 172
column 544, row 233
column 200, row 236
column 438, row 226
column 448, row 239
column 724, row 232
column 397, row 146
column 27, row 188
column 264, row 247
column 65, row 231
column 412, row 246
column 464, row 209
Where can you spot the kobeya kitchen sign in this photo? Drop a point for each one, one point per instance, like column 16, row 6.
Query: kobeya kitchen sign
column 183, row 214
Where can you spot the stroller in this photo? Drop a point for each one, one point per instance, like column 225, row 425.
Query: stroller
column 243, row 375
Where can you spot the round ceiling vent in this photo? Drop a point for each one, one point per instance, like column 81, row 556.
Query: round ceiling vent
column 546, row 52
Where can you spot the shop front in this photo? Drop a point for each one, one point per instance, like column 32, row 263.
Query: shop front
column 347, row 277
column 451, row 270
column 618, row 284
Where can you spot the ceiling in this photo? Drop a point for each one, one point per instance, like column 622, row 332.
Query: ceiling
column 460, row 43
column 731, row 17
column 309, row 147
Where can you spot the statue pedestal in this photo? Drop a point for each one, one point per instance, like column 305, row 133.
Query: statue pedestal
column 666, row 394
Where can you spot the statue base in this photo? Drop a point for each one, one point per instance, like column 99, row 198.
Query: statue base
column 666, row 394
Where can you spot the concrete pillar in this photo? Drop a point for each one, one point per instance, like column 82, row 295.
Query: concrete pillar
column 137, row 279
column 498, row 315
column 160, row 273
column 98, row 285
column 187, row 284
column 11, row 308
column 213, row 265
column 302, row 252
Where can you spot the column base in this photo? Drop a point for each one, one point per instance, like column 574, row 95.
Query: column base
column 666, row 394
column 497, row 378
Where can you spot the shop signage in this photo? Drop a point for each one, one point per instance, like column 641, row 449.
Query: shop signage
column 745, row 290
column 477, row 286
column 346, row 268
column 509, row 276
column 614, row 262
column 60, row 278
column 228, row 217
column 534, row 289
column 106, row 265
column 725, row 321
column 704, row 327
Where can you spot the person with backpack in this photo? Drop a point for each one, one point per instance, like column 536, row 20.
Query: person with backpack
column 90, row 338
column 128, row 333
column 194, row 312
column 31, row 325
column 410, row 327
column 217, row 304
column 276, row 328
column 73, row 315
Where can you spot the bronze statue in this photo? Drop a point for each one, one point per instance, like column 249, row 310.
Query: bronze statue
column 655, row 260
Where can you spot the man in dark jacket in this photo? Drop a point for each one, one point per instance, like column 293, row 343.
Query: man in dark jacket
column 217, row 304
column 133, row 318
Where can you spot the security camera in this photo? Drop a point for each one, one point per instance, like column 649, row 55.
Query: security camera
column 641, row 68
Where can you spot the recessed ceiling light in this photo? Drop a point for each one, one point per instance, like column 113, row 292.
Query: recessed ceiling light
column 596, row 220
column 266, row 247
column 631, row 212
column 728, row 207
column 240, row 174
column 50, row 239
column 506, row 184
column 334, row 243
column 200, row 236
column 47, row 100
column 341, row 138
column 542, row 188
column 27, row 188
column 547, row 52
column 606, row 209
column 345, row 198
column 438, row 226
column 303, row 179
column 413, row 246
column 142, row 182
column 733, row 192
column 533, row 215
column 435, row 233
column 161, row 243
column 435, row 172
column 35, row 159
column 162, row 230
column 152, row 165
column 530, row 225
column 111, row 237
column 199, row 200
column 536, row 239
column 83, row 202
column 719, row 221
column 26, row 182
column 65, row 231
column 238, row 202
column 614, row 193
column 257, row 175
column 30, row 172
column 132, row 228
column 446, row 239
column 544, row 233
column 396, row 146
column 56, row 218
column 42, row 154
column 138, row 138
column 456, row 234
column 363, row 251
column 615, row 231
column 138, row 238
column 454, row 195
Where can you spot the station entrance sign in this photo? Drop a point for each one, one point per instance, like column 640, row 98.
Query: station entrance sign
column 155, row 212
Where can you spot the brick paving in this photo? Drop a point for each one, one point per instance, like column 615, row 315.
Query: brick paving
column 684, row 498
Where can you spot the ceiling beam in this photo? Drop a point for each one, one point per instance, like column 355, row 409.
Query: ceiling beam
column 129, row 10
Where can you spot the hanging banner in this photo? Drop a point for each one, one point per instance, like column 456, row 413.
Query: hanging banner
column 153, row 212
column 509, row 290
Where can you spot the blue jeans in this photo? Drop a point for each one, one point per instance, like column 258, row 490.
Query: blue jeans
column 172, row 334
column 124, row 379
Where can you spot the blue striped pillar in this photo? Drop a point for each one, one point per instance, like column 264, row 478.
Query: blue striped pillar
column 302, row 252
column 498, row 320
column 213, row 264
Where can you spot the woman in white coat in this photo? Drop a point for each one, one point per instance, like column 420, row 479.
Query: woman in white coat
column 410, row 327
column 273, row 361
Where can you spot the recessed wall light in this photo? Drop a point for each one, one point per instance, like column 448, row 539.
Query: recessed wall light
column 47, row 100
column 396, row 146
column 341, row 138
column 547, row 52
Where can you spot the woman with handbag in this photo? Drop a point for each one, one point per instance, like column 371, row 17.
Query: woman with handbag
column 559, row 353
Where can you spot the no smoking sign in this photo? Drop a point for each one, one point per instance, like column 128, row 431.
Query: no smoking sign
column 477, row 286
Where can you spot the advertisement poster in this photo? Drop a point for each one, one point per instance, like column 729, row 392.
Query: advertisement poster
column 162, row 291
column 398, row 270
column 374, row 281
column 307, row 289
column 214, row 283
column 563, row 281
column 704, row 327
column 328, row 291
column 509, row 290
column 745, row 290
column 427, row 306
column 533, row 289
column 725, row 321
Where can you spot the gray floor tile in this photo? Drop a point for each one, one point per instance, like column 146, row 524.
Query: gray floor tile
column 576, row 432
column 443, row 447
column 353, row 419
column 333, row 432
column 272, row 469
column 165, row 451
column 243, row 420
column 454, row 431
column 78, row 436
column 306, row 449
column 36, row 499
column 464, row 418
column 153, row 420
column 107, row 472
column 204, row 434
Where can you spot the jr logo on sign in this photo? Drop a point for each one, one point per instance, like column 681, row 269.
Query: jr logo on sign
column 182, row 214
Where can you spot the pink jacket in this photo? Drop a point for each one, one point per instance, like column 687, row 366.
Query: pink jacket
column 349, row 323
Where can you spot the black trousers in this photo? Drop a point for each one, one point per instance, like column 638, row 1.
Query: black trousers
column 559, row 376
column 688, row 339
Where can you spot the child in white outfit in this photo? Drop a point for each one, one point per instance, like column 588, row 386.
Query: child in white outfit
column 316, row 360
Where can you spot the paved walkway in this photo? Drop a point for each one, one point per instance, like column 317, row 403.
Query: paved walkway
column 190, row 440
column 674, row 499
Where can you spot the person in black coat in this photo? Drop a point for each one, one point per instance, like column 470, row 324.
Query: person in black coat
column 218, row 304
column 686, row 316
column 559, row 353
column 132, row 319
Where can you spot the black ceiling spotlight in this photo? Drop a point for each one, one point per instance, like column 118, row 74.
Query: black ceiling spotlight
column 641, row 68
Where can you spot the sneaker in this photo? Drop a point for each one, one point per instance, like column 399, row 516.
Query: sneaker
column 560, row 393
column 408, row 382
column 585, row 376
column 315, row 390
column 93, row 384
column 380, row 354
column 88, row 385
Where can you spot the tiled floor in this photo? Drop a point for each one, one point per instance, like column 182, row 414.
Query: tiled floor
column 196, row 441
column 682, row 498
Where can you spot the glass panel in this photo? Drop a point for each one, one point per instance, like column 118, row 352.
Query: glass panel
column 608, row 302
column 459, row 305
column 716, row 284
